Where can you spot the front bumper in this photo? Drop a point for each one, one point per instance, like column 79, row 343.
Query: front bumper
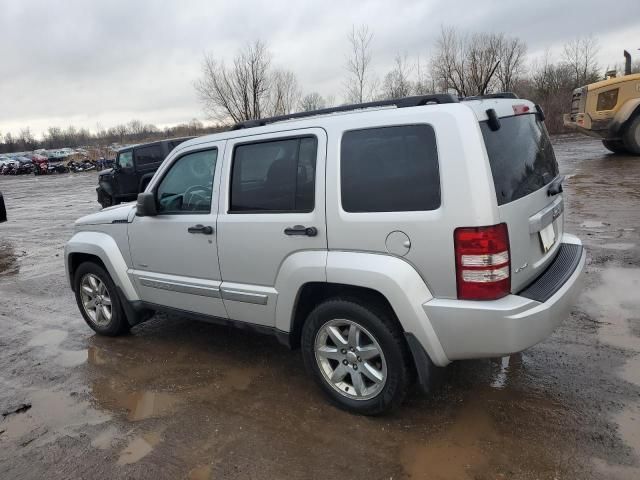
column 584, row 124
column 476, row 329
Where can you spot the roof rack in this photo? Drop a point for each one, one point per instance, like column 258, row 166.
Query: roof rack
column 398, row 102
column 492, row 95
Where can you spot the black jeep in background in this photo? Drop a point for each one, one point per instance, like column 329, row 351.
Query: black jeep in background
column 132, row 171
column 3, row 210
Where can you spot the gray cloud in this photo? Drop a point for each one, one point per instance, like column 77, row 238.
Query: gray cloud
column 83, row 63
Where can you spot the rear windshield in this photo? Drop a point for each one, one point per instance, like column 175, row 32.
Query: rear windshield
column 521, row 156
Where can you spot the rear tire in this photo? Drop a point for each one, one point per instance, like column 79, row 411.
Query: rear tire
column 98, row 300
column 357, row 355
column 631, row 136
column 614, row 146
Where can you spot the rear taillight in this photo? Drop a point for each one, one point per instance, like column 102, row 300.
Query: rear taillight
column 483, row 271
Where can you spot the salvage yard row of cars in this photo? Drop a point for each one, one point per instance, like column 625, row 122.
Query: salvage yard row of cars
column 384, row 239
column 37, row 165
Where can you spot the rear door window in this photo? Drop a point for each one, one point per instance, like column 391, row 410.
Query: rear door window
column 390, row 169
column 149, row 155
column 521, row 156
column 276, row 176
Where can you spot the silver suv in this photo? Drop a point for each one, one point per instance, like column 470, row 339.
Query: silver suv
column 384, row 239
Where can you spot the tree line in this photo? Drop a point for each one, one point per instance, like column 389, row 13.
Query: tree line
column 252, row 86
column 462, row 64
column 134, row 131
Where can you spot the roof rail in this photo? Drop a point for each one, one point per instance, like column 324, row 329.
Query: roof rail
column 492, row 95
column 398, row 103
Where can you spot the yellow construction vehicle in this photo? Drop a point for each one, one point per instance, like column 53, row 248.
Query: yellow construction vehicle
column 609, row 110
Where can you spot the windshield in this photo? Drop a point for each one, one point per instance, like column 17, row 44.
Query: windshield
column 521, row 156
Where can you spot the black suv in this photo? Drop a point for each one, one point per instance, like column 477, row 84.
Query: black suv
column 3, row 210
column 132, row 171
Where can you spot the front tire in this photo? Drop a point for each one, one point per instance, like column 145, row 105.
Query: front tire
column 98, row 301
column 614, row 146
column 357, row 355
column 631, row 137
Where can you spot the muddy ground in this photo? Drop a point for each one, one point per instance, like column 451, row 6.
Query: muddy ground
column 181, row 399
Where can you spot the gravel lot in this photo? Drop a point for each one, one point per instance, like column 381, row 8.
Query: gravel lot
column 182, row 399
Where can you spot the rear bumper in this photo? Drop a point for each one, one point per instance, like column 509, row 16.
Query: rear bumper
column 476, row 329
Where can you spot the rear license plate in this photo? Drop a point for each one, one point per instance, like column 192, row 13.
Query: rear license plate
column 547, row 237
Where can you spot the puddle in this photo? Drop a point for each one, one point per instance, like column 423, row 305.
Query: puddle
column 50, row 341
column 140, row 405
column 105, row 439
column 239, row 378
column 618, row 300
column 592, row 224
column 619, row 246
column 500, row 380
column 139, row 448
column 457, row 453
column 72, row 358
column 631, row 371
column 52, row 414
column 200, row 473
column 48, row 338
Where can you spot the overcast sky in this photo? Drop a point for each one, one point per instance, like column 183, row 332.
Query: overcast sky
column 84, row 63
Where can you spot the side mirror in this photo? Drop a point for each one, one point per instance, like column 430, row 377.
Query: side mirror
column 146, row 205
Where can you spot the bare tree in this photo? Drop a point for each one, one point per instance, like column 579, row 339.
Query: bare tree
column 136, row 128
column 511, row 67
column 482, row 52
column 476, row 64
column 424, row 83
column 312, row 101
column 360, row 84
column 552, row 84
column 284, row 92
column 397, row 82
column 237, row 93
column 26, row 141
column 580, row 56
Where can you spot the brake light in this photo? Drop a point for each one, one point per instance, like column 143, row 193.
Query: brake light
column 483, row 269
column 520, row 109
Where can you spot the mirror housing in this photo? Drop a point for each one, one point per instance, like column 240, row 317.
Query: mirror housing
column 146, row 205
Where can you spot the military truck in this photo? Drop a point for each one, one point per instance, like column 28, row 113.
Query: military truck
column 132, row 171
column 609, row 110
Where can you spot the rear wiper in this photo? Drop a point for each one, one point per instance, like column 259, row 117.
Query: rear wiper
column 556, row 186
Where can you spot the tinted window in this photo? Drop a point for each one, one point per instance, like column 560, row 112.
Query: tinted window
column 125, row 159
column 274, row 176
column 521, row 156
column 390, row 169
column 150, row 154
column 188, row 185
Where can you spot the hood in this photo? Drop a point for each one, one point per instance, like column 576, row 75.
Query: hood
column 106, row 171
column 117, row 214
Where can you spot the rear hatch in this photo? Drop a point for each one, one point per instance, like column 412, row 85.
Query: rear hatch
column 525, row 175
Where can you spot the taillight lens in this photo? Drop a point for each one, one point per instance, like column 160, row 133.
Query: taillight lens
column 483, row 270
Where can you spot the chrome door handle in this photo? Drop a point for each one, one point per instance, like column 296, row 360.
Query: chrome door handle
column 206, row 230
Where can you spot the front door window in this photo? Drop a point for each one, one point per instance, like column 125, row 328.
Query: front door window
column 188, row 185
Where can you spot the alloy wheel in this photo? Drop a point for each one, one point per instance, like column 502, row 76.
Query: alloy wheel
column 350, row 359
column 96, row 300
